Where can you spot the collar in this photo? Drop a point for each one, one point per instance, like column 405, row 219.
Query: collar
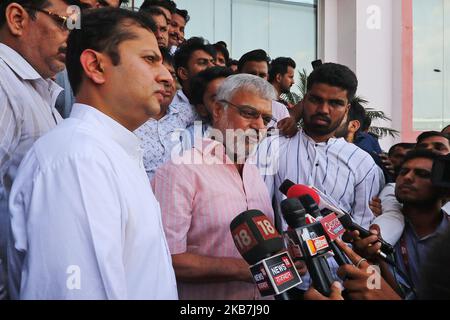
column 303, row 134
column 182, row 97
column 124, row 137
column 442, row 227
column 18, row 64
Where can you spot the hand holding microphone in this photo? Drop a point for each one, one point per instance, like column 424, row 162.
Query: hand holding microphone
column 292, row 190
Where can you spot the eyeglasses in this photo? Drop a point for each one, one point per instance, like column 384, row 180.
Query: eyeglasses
column 61, row 21
column 249, row 112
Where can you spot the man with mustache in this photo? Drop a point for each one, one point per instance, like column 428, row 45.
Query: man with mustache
column 177, row 28
column 33, row 38
column 341, row 170
column 85, row 223
column 391, row 222
column 346, row 174
column 203, row 190
column 424, row 218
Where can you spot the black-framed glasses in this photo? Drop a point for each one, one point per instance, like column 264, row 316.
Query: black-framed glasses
column 249, row 112
column 61, row 21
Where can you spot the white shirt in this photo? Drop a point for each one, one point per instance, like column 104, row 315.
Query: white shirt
column 84, row 214
column 26, row 113
column 279, row 111
column 159, row 137
column 341, row 170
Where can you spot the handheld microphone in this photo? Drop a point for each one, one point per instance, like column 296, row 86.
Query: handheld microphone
column 313, row 245
column 344, row 218
column 262, row 248
column 292, row 190
column 331, row 225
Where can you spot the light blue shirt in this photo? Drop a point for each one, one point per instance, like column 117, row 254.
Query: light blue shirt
column 158, row 137
column 417, row 250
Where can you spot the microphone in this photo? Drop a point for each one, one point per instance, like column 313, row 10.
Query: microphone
column 312, row 243
column 348, row 224
column 292, row 190
column 331, row 225
column 344, row 218
column 262, row 247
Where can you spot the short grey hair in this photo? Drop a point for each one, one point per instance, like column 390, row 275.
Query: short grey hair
column 246, row 82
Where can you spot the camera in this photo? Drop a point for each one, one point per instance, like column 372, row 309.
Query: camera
column 440, row 174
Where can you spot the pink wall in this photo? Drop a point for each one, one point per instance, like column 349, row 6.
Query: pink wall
column 408, row 133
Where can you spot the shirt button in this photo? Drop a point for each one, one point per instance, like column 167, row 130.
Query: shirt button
column 317, row 164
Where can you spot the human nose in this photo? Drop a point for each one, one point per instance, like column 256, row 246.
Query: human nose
column 164, row 75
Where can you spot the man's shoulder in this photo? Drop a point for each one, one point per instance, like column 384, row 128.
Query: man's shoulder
column 69, row 141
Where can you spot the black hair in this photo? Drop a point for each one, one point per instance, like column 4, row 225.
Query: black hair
column 446, row 128
column 154, row 11
column 30, row 6
column 200, row 82
column 420, row 153
column 429, row 134
column 232, row 62
column 257, row 55
column 203, row 78
column 408, row 146
column 280, row 66
column 183, row 13
column 365, row 125
column 220, row 47
column 357, row 112
column 102, row 30
column 435, row 273
column 167, row 4
column 335, row 75
column 187, row 48
column 167, row 57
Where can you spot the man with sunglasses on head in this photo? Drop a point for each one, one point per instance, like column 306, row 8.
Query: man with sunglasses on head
column 204, row 189
column 33, row 45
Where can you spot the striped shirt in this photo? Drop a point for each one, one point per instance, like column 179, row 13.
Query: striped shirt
column 341, row 170
column 198, row 202
column 26, row 113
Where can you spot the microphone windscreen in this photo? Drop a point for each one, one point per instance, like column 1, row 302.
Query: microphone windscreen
column 285, row 186
column 301, row 190
column 255, row 236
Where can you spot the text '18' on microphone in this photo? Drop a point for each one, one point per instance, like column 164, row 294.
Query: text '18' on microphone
column 262, row 247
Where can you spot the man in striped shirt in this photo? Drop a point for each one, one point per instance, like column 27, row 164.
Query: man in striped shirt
column 33, row 38
column 202, row 191
column 341, row 170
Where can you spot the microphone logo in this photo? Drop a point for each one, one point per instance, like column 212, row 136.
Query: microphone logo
column 243, row 238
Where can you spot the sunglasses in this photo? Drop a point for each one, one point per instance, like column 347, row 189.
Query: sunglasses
column 61, row 21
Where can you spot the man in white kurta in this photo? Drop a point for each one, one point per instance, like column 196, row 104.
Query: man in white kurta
column 84, row 221
column 85, row 215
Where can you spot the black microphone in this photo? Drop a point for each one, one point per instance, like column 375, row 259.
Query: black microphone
column 262, row 247
column 348, row 224
column 332, row 228
column 312, row 245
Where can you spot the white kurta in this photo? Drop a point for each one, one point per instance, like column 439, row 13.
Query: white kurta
column 85, row 218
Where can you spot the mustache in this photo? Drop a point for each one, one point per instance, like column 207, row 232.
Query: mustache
column 408, row 186
column 321, row 117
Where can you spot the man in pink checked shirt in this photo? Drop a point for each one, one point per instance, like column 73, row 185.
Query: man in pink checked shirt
column 203, row 190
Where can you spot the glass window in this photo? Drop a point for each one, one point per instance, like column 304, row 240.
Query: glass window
column 431, row 51
column 282, row 28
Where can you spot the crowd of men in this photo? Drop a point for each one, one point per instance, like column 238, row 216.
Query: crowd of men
column 165, row 140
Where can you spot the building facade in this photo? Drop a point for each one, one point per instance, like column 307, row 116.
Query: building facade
column 399, row 49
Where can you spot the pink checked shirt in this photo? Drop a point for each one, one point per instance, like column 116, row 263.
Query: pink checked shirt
column 198, row 202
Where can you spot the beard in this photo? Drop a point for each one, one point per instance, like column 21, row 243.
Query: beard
column 321, row 129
